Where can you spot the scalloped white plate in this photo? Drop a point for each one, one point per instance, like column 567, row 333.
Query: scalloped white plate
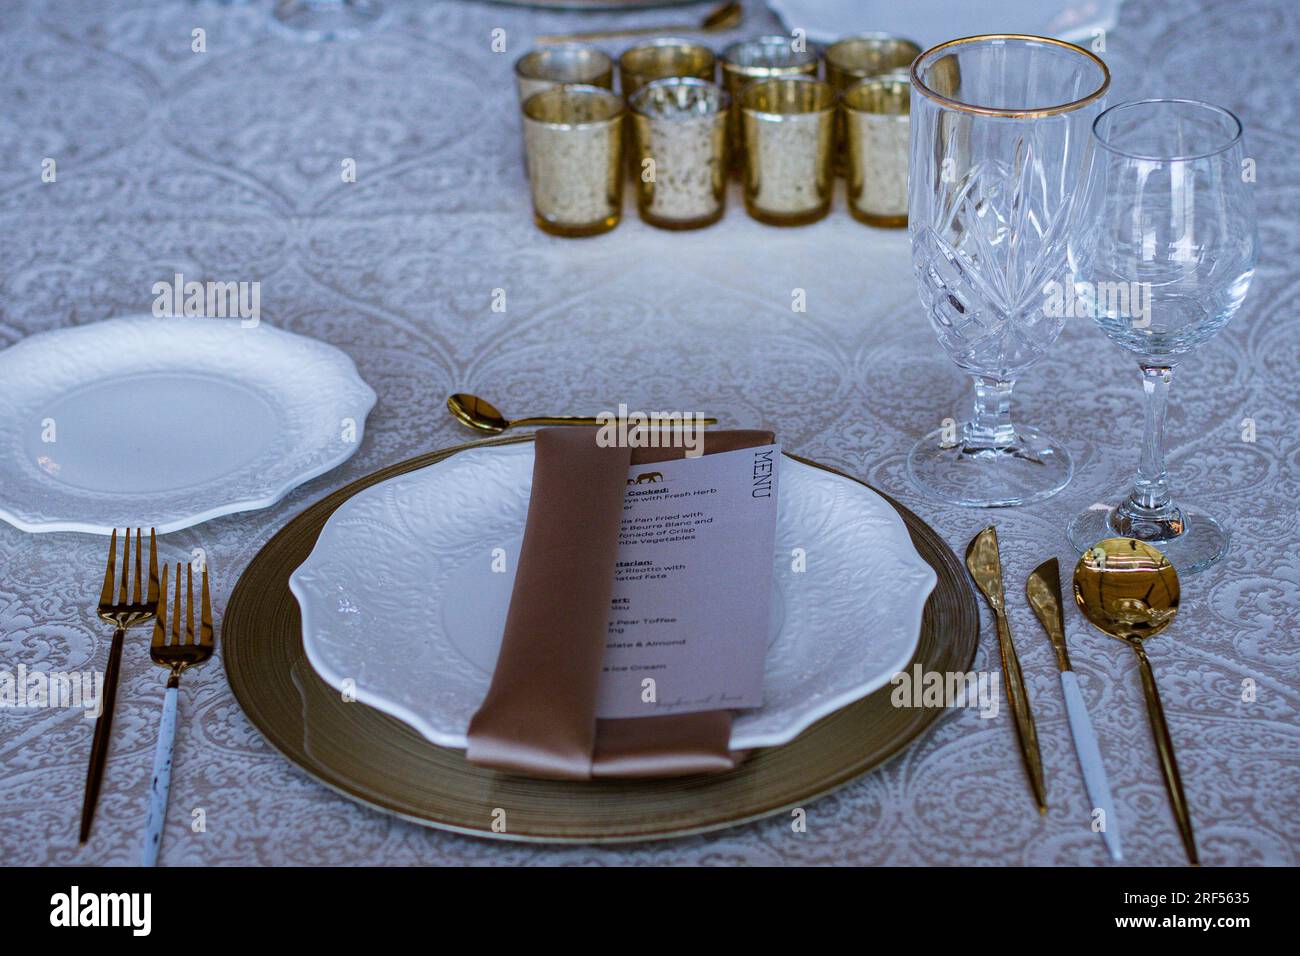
column 168, row 422
column 401, row 607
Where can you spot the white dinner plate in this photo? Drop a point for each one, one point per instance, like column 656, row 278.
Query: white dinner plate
column 402, row 609
column 167, row 422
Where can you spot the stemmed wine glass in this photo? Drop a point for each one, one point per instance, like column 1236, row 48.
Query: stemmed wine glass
column 1165, row 260
column 1000, row 149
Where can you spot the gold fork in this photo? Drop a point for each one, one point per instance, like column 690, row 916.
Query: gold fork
column 123, row 613
column 176, row 655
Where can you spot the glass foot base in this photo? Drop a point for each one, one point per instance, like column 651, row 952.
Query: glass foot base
column 1031, row 468
column 1191, row 545
column 326, row 19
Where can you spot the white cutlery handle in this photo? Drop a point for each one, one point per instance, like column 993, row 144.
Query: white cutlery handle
column 160, row 786
column 1094, row 771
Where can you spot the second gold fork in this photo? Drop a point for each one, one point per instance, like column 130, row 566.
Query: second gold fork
column 177, row 654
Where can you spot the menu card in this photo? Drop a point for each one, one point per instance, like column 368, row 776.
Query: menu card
column 688, row 621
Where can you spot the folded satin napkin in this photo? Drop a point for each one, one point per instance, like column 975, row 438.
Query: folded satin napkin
column 539, row 714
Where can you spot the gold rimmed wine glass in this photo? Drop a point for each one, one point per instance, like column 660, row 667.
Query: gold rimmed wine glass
column 1000, row 148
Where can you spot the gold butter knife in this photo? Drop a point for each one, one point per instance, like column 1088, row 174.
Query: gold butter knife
column 985, row 566
column 1043, row 591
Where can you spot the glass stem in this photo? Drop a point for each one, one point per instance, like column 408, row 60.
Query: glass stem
column 1150, row 495
column 990, row 425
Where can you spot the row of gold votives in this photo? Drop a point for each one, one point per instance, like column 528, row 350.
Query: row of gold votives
column 785, row 130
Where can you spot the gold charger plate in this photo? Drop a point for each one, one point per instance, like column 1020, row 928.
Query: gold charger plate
column 379, row 761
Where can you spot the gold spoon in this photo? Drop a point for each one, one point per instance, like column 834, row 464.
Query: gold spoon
column 1129, row 590
column 722, row 17
column 475, row 413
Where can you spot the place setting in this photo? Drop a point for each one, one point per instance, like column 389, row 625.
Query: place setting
column 343, row 559
column 394, row 595
column 596, row 623
column 365, row 726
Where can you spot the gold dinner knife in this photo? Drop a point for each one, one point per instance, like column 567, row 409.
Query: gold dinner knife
column 1043, row 589
column 985, row 567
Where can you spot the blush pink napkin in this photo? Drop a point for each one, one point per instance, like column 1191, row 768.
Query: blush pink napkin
column 539, row 714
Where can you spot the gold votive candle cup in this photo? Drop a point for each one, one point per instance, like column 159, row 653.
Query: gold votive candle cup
column 789, row 127
column 561, row 65
column 878, row 131
column 662, row 58
column 573, row 139
column 858, row 57
column 761, row 58
column 680, row 128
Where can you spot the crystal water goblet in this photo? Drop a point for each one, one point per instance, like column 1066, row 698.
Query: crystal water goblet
column 999, row 151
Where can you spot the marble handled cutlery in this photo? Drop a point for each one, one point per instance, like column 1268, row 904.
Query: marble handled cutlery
column 1043, row 590
column 176, row 652
column 124, row 604
column 985, row 566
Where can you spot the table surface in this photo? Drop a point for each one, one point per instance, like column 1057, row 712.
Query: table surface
column 226, row 165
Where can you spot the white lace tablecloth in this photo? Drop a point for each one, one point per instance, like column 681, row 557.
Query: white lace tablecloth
column 225, row 165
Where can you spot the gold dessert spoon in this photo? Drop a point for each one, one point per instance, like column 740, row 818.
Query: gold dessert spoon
column 482, row 416
column 1129, row 590
column 722, row 17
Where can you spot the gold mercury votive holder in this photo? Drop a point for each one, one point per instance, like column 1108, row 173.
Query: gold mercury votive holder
column 659, row 59
column 789, row 132
column 878, row 134
column 662, row 58
column 680, row 126
column 858, row 57
column 561, row 64
column 761, row 58
column 573, row 140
